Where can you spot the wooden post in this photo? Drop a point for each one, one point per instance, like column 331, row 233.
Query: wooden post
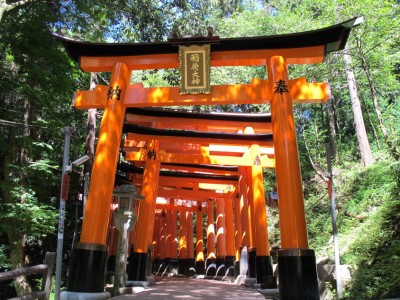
column 302, row 283
column 95, row 224
column 145, row 224
column 182, row 242
column 229, row 237
column 211, row 258
column 200, row 264
column 221, row 235
column 244, row 218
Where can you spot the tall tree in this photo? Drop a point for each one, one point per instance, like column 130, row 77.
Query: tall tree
column 362, row 138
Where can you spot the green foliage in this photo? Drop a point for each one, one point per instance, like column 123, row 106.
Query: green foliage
column 32, row 217
column 375, row 253
column 368, row 226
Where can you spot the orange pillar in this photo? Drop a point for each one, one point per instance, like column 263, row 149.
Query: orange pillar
column 238, row 229
column 189, row 228
column 174, row 249
column 182, row 242
column 221, row 235
column 297, row 265
column 288, row 175
column 253, row 239
column 93, row 241
column 162, row 233
column 263, row 257
column 250, row 198
column 145, row 222
column 200, row 263
column 190, row 261
column 244, row 207
column 157, row 236
column 168, row 242
column 230, row 238
column 172, row 262
column 211, row 258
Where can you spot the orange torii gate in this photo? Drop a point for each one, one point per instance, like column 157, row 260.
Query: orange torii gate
column 198, row 150
column 297, row 271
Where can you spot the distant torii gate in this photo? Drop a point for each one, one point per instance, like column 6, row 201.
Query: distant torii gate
column 297, row 270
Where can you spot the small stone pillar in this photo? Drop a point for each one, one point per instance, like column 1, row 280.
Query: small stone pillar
column 125, row 219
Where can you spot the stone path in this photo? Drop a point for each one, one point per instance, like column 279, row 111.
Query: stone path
column 189, row 288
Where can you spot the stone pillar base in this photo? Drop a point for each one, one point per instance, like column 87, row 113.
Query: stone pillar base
column 65, row 295
column 200, row 267
column 263, row 268
column 137, row 266
column 297, row 274
column 87, row 272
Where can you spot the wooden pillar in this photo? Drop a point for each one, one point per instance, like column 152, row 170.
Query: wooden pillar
column 221, row 236
column 163, row 236
column 145, row 223
column 244, row 217
column 157, row 236
column 190, row 261
column 297, row 265
column 251, row 254
column 211, row 258
column 168, row 240
column 182, row 242
column 238, row 234
column 229, row 237
column 200, row 263
column 86, row 274
column 174, row 248
column 263, row 258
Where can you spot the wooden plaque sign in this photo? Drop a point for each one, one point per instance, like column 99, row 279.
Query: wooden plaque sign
column 194, row 64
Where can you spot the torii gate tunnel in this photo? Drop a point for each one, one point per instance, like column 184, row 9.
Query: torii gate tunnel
column 198, row 160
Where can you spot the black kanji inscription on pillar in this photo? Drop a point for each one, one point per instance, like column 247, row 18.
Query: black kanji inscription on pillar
column 281, row 87
column 113, row 92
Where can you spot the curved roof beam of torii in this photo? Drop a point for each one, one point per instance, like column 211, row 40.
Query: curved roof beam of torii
column 137, row 132
column 298, row 48
column 203, row 121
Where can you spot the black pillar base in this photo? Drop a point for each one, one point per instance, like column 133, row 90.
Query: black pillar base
column 229, row 265
column 211, row 267
column 111, row 263
column 190, row 266
column 182, row 266
column 173, row 266
column 220, row 262
column 263, row 267
column 200, row 267
column 156, row 265
column 137, row 266
column 87, row 272
column 297, row 274
column 251, row 256
column 236, row 268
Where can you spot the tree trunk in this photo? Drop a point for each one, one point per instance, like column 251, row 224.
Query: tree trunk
column 16, row 238
column 362, row 138
column 332, row 129
column 91, row 128
column 393, row 151
column 5, row 7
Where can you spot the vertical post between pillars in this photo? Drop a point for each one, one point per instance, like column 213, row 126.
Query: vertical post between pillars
column 297, row 268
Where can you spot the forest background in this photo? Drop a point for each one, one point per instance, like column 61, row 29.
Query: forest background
column 361, row 121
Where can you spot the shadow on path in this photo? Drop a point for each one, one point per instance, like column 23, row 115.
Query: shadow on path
column 189, row 288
